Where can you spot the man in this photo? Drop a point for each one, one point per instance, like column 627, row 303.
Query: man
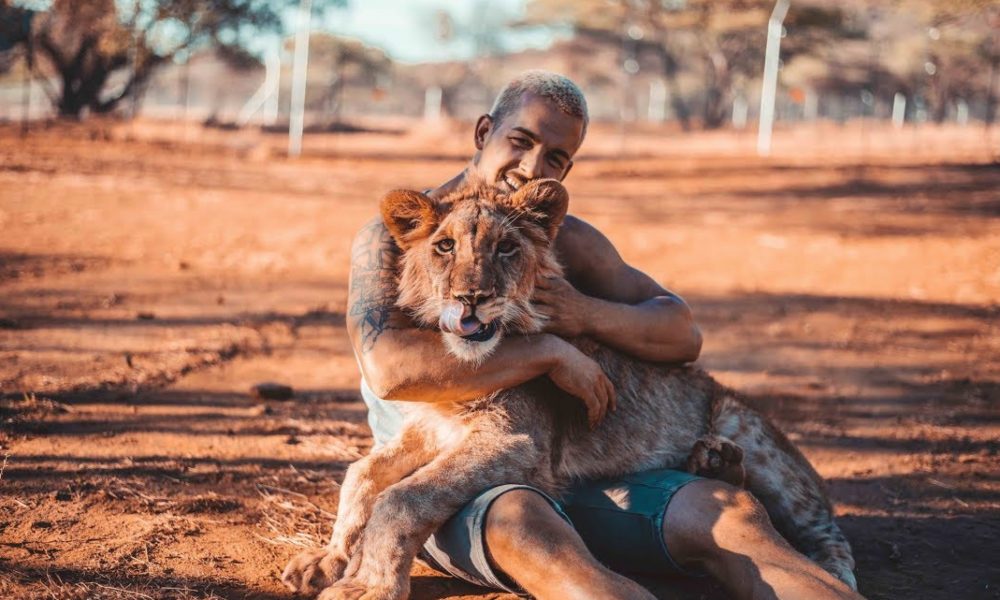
column 516, row 538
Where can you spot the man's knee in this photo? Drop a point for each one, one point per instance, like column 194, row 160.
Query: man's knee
column 522, row 518
column 706, row 515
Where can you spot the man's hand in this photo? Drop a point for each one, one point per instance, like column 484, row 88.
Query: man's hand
column 565, row 308
column 579, row 375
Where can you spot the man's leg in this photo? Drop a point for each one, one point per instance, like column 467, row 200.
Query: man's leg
column 726, row 532
column 530, row 542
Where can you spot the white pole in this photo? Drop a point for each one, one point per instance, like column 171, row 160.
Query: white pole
column 962, row 112
column 432, row 103
column 740, row 110
column 273, row 65
column 656, row 111
column 266, row 96
column 301, row 62
column 770, row 83
column 898, row 110
column 811, row 108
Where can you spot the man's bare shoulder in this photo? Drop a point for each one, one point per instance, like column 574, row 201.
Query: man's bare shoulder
column 594, row 266
column 372, row 230
column 580, row 246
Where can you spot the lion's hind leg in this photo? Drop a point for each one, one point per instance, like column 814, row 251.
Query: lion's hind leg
column 316, row 569
column 787, row 485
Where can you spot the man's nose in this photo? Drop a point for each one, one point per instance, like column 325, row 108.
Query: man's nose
column 531, row 165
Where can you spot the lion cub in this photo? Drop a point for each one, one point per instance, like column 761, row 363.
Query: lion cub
column 469, row 267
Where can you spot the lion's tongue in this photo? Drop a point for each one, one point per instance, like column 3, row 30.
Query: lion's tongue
column 452, row 319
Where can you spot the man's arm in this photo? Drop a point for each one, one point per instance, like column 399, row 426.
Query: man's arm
column 400, row 361
column 614, row 303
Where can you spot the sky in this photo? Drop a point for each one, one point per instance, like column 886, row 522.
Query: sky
column 409, row 30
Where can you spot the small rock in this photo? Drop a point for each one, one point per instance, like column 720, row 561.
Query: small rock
column 269, row 390
column 41, row 525
column 112, row 300
column 292, row 440
column 63, row 496
column 145, row 316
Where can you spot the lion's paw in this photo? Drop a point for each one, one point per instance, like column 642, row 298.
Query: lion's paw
column 313, row 570
column 716, row 457
column 352, row 589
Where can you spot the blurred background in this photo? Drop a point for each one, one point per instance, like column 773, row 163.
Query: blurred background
column 695, row 63
column 181, row 180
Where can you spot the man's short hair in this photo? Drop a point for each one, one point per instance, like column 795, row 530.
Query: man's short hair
column 556, row 88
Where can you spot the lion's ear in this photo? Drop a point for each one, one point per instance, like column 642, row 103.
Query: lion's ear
column 409, row 216
column 543, row 201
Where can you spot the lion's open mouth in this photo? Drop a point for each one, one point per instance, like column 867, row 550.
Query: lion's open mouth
column 484, row 333
column 457, row 319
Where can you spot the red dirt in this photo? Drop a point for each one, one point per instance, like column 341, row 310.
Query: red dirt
column 150, row 275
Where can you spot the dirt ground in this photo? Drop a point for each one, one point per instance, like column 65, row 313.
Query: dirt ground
column 150, row 273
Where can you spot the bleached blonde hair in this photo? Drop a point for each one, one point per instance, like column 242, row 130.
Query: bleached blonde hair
column 554, row 87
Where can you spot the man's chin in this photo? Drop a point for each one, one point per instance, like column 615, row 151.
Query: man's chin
column 468, row 350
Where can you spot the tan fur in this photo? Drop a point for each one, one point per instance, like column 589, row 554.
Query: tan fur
column 678, row 417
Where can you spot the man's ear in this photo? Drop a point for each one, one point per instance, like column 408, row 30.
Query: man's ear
column 483, row 128
column 409, row 216
column 544, row 201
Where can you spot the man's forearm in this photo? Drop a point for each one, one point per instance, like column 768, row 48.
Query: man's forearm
column 412, row 364
column 660, row 329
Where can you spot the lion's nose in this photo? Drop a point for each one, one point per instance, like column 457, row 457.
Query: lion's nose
column 473, row 297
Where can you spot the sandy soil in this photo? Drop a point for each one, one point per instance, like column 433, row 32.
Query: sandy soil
column 151, row 273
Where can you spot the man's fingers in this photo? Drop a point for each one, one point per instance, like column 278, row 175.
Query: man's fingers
column 601, row 395
column 599, row 407
column 593, row 411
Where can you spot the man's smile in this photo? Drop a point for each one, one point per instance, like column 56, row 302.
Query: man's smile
column 512, row 182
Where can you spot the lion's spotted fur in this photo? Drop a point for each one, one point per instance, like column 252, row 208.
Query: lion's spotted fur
column 393, row 499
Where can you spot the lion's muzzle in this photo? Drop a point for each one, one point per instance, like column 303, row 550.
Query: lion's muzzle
column 459, row 318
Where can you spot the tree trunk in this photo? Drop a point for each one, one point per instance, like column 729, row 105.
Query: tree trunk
column 676, row 99
column 84, row 76
column 717, row 87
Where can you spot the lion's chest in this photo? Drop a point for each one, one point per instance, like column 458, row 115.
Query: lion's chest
column 441, row 423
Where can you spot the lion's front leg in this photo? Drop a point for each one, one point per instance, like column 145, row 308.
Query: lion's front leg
column 317, row 569
column 408, row 512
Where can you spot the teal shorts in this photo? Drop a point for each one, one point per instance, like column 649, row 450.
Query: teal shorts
column 620, row 521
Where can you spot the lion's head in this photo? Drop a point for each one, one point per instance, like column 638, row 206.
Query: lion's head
column 470, row 260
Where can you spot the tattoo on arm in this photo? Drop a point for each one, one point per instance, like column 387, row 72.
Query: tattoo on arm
column 373, row 283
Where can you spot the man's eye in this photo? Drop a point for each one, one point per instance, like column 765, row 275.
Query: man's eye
column 445, row 246
column 506, row 248
column 556, row 163
column 521, row 142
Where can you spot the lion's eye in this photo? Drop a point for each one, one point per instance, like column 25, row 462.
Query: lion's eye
column 445, row 246
column 506, row 248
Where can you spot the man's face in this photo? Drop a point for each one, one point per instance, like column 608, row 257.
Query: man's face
column 536, row 141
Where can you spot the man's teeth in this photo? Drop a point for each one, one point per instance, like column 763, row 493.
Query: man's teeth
column 515, row 185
